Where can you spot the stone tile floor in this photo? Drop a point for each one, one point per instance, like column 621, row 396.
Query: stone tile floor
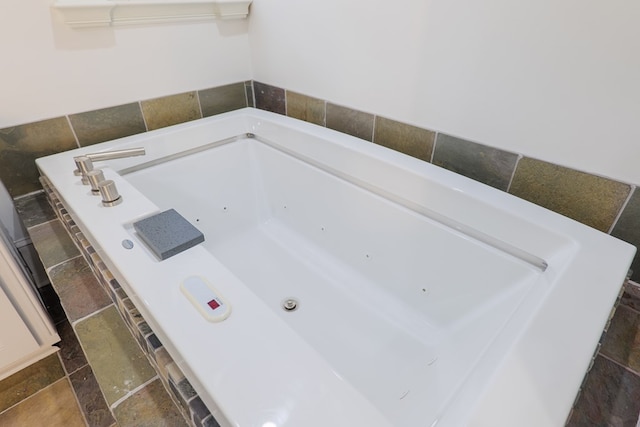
column 60, row 390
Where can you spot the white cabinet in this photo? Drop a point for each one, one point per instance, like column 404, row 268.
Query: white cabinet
column 26, row 332
column 15, row 338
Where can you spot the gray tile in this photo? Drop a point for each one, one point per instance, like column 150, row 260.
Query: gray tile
column 414, row 141
column 352, row 122
column 90, row 398
column 93, row 127
column 592, row 200
column 306, row 108
column 21, row 145
column 610, row 397
column 621, row 343
column 269, row 98
column 34, row 209
column 482, row 163
column 171, row 110
column 222, row 99
column 53, row 243
column 71, row 353
column 627, row 228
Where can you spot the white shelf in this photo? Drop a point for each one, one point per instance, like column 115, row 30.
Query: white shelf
column 97, row 13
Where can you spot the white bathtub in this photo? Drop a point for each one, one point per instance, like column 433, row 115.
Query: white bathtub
column 424, row 298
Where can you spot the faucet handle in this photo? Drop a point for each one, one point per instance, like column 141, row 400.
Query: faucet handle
column 95, row 177
column 84, row 165
column 109, row 192
column 89, row 158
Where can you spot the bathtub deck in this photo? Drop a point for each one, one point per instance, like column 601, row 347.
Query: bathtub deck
column 466, row 307
column 611, row 391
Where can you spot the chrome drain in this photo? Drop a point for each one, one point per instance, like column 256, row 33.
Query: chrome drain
column 290, row 304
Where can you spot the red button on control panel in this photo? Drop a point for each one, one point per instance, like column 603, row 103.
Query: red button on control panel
column 213, row 304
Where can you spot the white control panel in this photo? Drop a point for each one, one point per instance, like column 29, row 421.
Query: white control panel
column 205, row 298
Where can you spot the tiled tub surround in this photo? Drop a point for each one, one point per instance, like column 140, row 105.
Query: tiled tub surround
column 605, row 204
column 64, row 182
column 21, row 145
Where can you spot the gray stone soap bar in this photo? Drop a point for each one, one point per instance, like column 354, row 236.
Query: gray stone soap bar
column 168, row 233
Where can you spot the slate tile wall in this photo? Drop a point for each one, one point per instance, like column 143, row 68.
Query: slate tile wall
column 20, row 145
column 607, row 205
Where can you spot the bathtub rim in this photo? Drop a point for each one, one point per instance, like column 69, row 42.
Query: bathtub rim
column 535, row 331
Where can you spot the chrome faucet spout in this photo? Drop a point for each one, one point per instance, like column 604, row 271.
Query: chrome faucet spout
column 88, row 159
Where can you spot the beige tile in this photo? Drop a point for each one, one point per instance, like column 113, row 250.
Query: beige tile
column 21, row 145
column 54, row 406
column 407, row 139
column 53, row 243
column 30, row 380
column 115, row 357
column 171, row 110
column 592, row 200
column 306, row 108
column 149, row 407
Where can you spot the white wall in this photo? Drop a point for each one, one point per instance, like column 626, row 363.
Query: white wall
column 49, row 69
column 558, row 81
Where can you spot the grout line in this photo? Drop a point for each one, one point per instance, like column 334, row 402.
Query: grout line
column 32, row 395
column 253, row 93
column 73, row 131
column 513, row 173
column 622, row 208
column 47, row 269
column 77, row 400
column 626, row 368
column 433, row 150
column 45, row 222
column 115, row 404
column 286, row 104
column 324, row 113
column 75, row 322
column 144, row 119
column 33, row 193
column 199, row 103
column 373, row 131
column 621, row 304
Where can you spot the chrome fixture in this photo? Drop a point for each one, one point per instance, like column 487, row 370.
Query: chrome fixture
column 109, row 193
column 84, row 163
column 95, row 177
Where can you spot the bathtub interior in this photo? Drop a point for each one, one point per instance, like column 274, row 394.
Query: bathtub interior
column 400, row 305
